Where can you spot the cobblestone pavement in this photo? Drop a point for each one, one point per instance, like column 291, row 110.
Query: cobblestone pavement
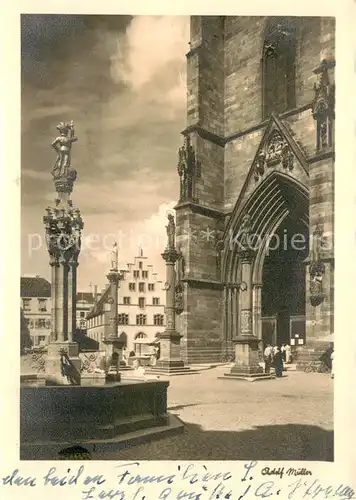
column 282, row 419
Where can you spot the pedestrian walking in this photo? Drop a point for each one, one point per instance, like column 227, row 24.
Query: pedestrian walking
column 278, row 362
column 288, row 351
column 268, row 358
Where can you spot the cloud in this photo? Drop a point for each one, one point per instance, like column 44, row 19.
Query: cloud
column 125, row 92
column 144, row 53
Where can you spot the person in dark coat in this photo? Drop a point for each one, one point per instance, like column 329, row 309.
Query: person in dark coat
column 278, row 362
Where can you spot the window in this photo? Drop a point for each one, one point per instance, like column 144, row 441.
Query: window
column 48, row 324
column 40, row 323
column 140, row 265
column 30, row 323
column 82, row 324
column 144, row 275
column 158, row 319
column 141, row 287
column 278, row 67
column 41, row 339
column 141, row 319
column 136, row 274
column 155, row 301
column 26, row 303
column 123, row 319
column 82, row 314
column 132, row 287
column 139, row 346
column 151, row 287
column 127, row 301
column 42, row 305
column 141, row 302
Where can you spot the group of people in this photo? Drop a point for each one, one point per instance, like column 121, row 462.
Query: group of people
column 275, row 356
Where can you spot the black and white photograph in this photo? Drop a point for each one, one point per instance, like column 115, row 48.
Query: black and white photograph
column 177, row 238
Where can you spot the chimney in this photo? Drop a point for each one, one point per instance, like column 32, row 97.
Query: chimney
column 95, row 293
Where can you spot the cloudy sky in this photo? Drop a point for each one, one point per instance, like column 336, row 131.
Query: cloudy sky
column 122, row 80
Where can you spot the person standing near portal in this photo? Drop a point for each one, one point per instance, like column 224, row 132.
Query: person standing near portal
column 278, row 362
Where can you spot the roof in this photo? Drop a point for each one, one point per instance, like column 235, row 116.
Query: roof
column 99, row 306
column 35, row 287
column 87, row 296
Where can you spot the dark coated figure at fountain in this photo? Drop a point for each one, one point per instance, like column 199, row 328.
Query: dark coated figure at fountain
column 62, row 145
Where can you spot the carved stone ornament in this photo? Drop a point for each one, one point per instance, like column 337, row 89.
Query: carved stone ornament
column 316, row 268
column 323, row 106
column 179, row 299
column 38, row 362
column 276, row 152
column 90, row 363
column 63, row 235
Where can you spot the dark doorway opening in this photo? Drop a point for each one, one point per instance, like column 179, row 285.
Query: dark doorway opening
column 283, row 284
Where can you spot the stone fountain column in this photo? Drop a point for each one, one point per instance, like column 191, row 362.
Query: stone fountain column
column 63, row 225
column 112, row 342
column 170, row 361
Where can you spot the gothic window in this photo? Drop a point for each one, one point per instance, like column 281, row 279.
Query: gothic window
column 151, row 287
column 132, row 287
column 155, row 301
column 278, row 67
column 141, row 287
column 141, row 302
column 127, row 301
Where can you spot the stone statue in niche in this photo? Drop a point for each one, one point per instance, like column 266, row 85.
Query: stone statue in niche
column 316, row 268
column 186, row 168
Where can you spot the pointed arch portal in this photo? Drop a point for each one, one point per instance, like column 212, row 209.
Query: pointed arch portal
column 279, row 217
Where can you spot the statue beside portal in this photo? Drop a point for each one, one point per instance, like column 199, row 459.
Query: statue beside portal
column 171, row 231
column 245, row 231
column 62, row 145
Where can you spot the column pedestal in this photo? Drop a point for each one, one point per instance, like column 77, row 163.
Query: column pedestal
column 62, row 364
column 247, row 366
column 170, row 362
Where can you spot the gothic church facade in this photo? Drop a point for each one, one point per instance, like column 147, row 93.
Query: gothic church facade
column 255, row 218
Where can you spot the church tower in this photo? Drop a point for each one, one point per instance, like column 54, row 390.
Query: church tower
column 258, row 148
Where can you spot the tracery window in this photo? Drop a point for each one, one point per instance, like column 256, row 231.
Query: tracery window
column 278, row 67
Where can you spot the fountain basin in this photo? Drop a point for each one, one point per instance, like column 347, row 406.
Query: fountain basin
column 58, row 415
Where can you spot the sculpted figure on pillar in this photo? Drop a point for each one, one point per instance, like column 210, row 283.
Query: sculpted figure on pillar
column 171, row 231
column 62, row 145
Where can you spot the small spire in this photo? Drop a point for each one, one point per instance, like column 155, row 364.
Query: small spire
column 140, row 251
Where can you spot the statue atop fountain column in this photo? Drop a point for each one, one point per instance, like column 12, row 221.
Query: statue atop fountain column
column 63, row 226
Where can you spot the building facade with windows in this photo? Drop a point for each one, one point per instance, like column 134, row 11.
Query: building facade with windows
column 257, row 161
column 36, row 306
column 140, row 308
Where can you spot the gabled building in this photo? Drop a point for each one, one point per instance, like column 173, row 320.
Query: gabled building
column 140, row 308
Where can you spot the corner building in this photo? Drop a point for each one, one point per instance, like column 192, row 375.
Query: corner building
column 259, row 145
